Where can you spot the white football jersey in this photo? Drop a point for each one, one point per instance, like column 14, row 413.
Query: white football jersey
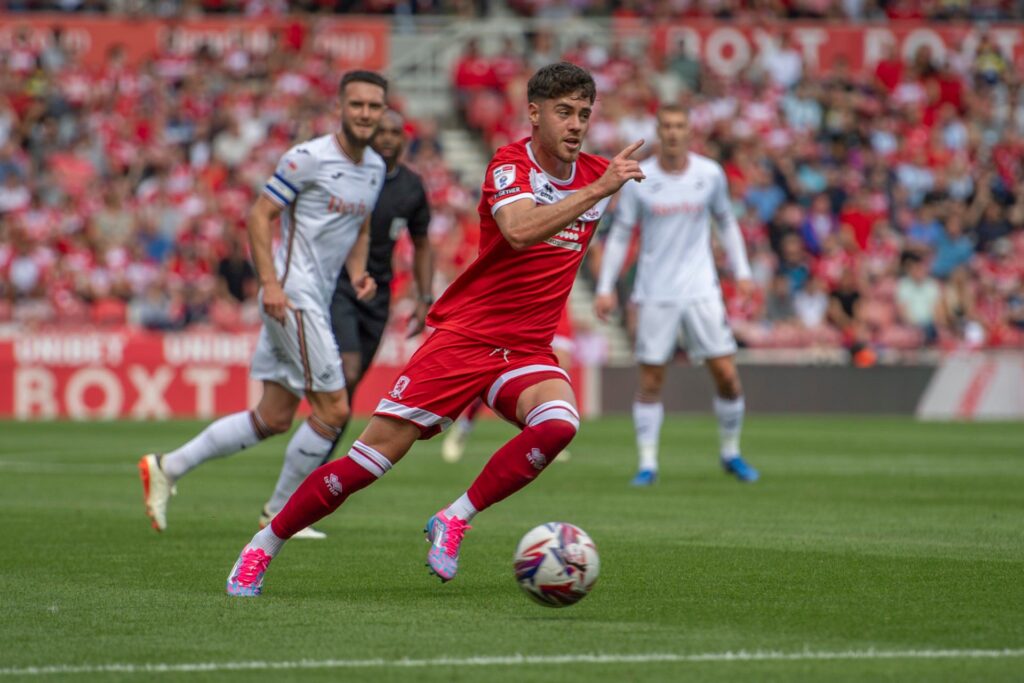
column 674, row 211
column 326, row 198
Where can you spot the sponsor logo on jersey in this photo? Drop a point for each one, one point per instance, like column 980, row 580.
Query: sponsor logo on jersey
column 333, row 484
column 507, row 191
column 400, row 386
column 569, row 237
column 682, row 207
column 335, row 176
column 547, row 192
column 591, row 215
column 571, row 246
column 339, row 205
column 504, row 176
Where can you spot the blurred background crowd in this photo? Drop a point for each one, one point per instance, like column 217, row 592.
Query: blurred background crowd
column 882, row 209
column 934, row 10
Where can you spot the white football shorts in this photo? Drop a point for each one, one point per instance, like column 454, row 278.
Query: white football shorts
column 301, row 354
column 701, row 326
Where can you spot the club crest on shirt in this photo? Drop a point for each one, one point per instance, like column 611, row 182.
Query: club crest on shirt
column 504, row 176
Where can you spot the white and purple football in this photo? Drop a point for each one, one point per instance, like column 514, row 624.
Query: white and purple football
column 556, row 564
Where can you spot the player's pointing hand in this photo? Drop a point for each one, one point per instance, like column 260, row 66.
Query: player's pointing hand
column 631, row 150
column 622, row 169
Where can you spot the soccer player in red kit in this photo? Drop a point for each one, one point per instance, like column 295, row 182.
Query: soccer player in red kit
column 542, row 199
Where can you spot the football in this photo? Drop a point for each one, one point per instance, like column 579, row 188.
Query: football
column 556, row 564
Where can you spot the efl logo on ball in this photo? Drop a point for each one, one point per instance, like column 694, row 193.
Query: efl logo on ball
column 504, row 176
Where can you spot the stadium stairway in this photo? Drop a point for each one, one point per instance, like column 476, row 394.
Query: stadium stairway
column 464, row 154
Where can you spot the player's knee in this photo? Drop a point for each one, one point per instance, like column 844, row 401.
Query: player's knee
column 274, row 422
column 651, row 382
column 335, row 413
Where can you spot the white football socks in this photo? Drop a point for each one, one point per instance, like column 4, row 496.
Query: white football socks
column 462, row 508
column 730, row 422
column 647, row 419
column 268, row 541
column 306, row 451
column 225, row 436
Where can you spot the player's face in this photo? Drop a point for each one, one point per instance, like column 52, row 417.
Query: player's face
column 673, row 131
column 561, row 124
column 362, row 105
column 390, row 138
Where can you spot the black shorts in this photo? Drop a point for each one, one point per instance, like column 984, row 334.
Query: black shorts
column 359, row 325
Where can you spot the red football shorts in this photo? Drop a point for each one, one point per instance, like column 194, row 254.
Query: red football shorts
column 450, row 370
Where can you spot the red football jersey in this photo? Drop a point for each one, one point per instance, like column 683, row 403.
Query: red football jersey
column 513, row 299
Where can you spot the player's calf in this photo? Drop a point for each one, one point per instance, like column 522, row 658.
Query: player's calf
column 327, row 488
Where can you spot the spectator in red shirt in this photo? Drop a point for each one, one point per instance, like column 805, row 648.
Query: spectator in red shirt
column 889, row 70
column 473, row 73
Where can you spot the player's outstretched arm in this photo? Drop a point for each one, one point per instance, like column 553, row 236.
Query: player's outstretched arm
column 261, row 219
column 525, row 224
column 355, row 264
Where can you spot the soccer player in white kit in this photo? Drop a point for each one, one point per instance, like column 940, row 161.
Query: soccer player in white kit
column 676, row 288
column 324, row 191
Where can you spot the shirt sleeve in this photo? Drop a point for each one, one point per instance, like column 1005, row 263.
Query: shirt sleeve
column 295, row 172
column 729, row 233
column 419, row 221
column 507, row 180
column 616, row 246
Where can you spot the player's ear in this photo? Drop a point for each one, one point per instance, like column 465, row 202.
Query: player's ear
column 533, row 111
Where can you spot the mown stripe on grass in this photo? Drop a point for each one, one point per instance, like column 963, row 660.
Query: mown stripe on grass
column 508, row 660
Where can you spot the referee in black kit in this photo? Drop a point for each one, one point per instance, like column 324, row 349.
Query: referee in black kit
column 359, row 325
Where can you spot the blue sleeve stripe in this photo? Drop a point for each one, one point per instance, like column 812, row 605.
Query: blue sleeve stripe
column 290, row 186
column 280, row 198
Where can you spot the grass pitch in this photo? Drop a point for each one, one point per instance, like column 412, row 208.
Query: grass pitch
column 864, row 537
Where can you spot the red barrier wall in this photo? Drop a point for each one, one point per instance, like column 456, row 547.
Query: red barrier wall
column 146, row 375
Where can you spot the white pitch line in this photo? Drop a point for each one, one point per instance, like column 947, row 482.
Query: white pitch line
column 509, row 660
column 44, row 467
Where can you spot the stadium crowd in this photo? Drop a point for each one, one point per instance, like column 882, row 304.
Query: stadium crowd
column 124, row 190
column 748, row 10
column 880, row 210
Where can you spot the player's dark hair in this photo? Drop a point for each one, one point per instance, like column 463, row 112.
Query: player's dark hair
column 672, row 108
column 558, row 80
column 362, row 76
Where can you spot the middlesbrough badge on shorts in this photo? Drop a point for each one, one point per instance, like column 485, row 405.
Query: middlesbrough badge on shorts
column 504, row 176
column 400, row 386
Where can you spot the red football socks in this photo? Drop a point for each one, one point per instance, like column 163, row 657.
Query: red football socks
column 518, row 462
column 327, row 488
